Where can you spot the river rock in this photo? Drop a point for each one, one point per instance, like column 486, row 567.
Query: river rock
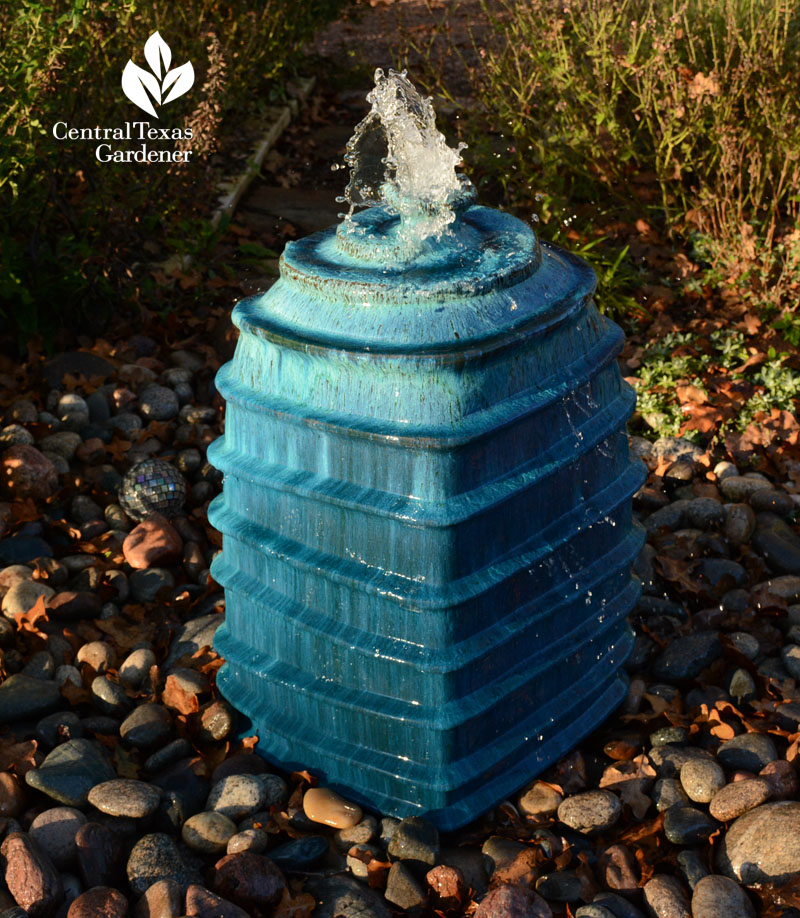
column 22, row 596
column 158, row 403
column 777, row 543
column 416, row 840
column 666, row 897
column 248, row 879
column 136, row 666
column 300, row 853
column 164, row 899
column 255, row 840
column 513, row 902
column 762, row 845
column 201, row 902
column 23, row 697
column 153, row 543
column 738, row 798
column 447, row 884
column 325, row 806
column 109, row 697
column 344, row 897
column 208, row 832
column 30, row 876
column 685, row 657
column 720, row 897
column 100, row 853
column 70, row 771
column 747, row 752
column 98, row 654
column 25, row 472
column 686, row 825
column 593, row 811
column 701, row 779
column 191, row 637
column 740, row 523
column 145, row 585
column 692, row 866
column 402, row 887
column 782, row 779
column 125, row 797
column 739, row 488
column 54, row 830
column 237, row 796
column 540, row 800
column 156, row 857
column 146, row 727
column 99, row 902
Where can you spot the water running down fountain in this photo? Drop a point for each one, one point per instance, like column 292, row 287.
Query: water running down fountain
column 426, row 510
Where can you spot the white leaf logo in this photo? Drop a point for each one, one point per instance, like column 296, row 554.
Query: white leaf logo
column 137, row 82
column 156, row 50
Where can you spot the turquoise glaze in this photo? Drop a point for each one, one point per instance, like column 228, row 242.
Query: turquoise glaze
column 426, row 512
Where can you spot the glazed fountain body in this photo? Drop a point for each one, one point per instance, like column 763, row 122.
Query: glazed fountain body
column 426, row 511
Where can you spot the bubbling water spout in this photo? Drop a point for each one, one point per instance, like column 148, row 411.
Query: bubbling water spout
column 398, row 159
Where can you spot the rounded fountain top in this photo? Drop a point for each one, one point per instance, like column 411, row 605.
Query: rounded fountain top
column 415, row 264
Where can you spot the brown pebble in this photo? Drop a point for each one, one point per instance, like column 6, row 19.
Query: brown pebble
column 667, row 897
column 216, row 722
column 99, row 902
column 782, row 779
column 735, row 799
column 540, row 800
column 249, row 879
column 513, row 902
column 202, row 903
column 162, row 900
column 323, row 805
column 101, row 657
column 12, row 796
column 25, row 472
column 740, row 523
column 447, row 883
column 99, row 854
column 255, row 840
column 30, row 876
column 153, row 543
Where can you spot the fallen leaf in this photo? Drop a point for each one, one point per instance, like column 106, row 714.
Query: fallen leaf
column 177, row 698
column 19, row 755
column 299, row 905
column 27, row 621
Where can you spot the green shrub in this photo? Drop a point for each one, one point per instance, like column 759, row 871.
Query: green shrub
column 73, row 230
column 686, row 111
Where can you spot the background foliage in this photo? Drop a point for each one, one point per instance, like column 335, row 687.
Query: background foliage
column 684, row 111
column 74, row 231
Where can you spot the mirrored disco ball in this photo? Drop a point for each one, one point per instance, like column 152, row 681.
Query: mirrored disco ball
column 152, row 486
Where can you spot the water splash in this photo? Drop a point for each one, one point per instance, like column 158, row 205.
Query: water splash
column 399, row 159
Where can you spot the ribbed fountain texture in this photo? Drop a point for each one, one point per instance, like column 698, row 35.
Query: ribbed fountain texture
column 427, row 499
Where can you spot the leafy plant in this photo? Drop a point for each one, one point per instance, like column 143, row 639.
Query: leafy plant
column 686, row 109
column 73, row 230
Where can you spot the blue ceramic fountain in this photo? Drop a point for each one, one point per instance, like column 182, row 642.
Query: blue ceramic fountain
column 427, row 499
